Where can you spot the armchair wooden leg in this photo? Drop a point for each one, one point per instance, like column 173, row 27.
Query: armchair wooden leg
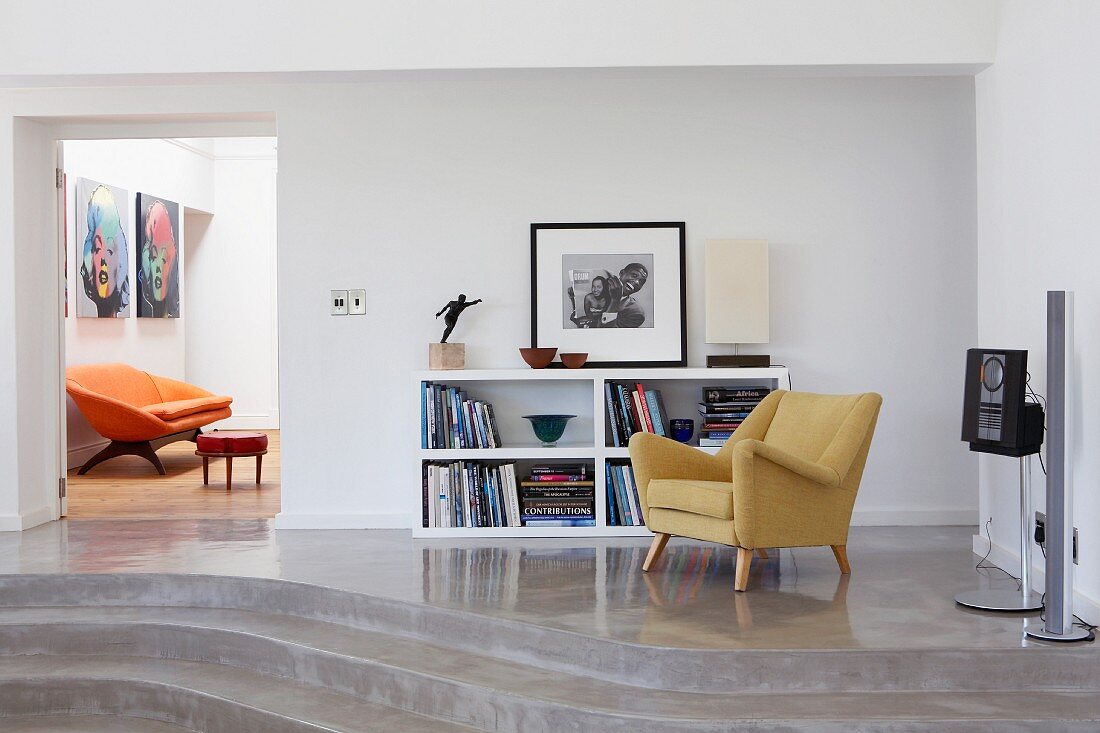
column 741, row 575
column 660, row 539
column 841, row 554
column 761, row 553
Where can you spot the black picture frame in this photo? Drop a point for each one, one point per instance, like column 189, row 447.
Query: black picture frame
column 679, row 360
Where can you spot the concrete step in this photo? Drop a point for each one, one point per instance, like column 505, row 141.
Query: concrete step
column 414, row 676
column 449, row 632
column 87, row 724
column 218, row 699
column 203, row 697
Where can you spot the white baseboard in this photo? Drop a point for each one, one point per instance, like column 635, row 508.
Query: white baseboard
column 1084, row 606
column 78, row 456
column 249, row 421
column 18, row 523
column 911, row 518
column 283, row 520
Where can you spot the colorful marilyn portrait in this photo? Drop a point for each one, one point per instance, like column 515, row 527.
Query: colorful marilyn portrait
column 158, row 257
column 104, row 262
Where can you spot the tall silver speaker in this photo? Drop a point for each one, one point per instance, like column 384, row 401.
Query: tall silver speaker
column 1058, row 624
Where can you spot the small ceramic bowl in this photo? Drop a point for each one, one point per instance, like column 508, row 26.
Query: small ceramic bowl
column 574, row 361
column 548, row 428
column 538, row 357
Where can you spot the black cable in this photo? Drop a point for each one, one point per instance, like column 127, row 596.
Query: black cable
column 1040, row 400
column 982, row 563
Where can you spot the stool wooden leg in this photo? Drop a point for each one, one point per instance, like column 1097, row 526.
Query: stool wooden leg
column 205, row 470
column 259, row 461
column 229, row 473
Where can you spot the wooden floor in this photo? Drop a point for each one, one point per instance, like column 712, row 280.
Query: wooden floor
column 129, row 487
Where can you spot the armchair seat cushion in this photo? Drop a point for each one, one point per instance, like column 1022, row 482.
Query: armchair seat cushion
column 182, row 408
column 709, row 498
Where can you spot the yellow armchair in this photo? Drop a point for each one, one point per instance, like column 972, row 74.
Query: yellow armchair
column 787, row 477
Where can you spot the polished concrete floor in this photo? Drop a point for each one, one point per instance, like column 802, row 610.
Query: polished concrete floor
column 899, row 595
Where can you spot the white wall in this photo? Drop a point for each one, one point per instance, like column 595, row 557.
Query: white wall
column 232, row 334
column 157, row 345
column 36, row 40
column 417, row 190
column 1038, row 156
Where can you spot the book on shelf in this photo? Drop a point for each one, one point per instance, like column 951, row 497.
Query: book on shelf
column 558, row 495
column 723, row 409
column 631, row 408
column 623, row 504
column 470, row 494
column 449, row 418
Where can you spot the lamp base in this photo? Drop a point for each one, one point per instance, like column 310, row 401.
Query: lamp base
column 738, row 360
column 1000, row 600
column 1037, row 630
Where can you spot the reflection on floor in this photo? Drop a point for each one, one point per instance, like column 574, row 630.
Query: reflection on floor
column 899, row 596
column 130, row 488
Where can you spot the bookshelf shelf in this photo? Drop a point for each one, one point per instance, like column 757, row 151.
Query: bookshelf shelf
column 517, row 392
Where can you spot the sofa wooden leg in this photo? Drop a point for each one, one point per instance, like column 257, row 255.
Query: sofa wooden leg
column 118, row 448
column 741, row 575
column 660, row 539
column 840, row 552
column 761, row 553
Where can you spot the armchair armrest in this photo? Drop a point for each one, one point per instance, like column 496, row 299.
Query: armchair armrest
column 807, row 469
column 656, row 457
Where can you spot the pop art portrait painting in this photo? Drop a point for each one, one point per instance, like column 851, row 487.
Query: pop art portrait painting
column 103, row 256
column 158, row 260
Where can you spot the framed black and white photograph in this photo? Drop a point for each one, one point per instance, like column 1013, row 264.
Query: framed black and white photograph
column 612, row 290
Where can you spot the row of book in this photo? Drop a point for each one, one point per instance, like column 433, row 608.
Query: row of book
column 487, row 494
column 559, row 495
column 623, row 506
column 631, row 408
column 449, row 418
column 724, row 409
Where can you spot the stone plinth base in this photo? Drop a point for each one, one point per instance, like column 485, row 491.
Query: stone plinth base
column 446, row 356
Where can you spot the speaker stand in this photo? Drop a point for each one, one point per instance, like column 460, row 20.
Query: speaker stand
column 1024, row 599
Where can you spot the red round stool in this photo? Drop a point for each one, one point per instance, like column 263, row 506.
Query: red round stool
column 230, row 444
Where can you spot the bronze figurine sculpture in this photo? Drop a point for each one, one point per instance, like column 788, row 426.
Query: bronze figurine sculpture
column 454, row 310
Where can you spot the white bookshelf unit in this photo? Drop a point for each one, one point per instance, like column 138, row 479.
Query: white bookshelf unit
column 517, row 392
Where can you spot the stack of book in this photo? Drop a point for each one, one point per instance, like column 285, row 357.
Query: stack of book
column 622, row 496
column 470, row 494
column 449, row 418
column 631, row 408
column 724, row 409
column 559, row 495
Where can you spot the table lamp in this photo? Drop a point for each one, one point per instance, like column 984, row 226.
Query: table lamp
column 737, row 299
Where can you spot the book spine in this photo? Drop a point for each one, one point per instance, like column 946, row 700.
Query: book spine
column 541, row 522
column 624, row 408
column 612, row 519
column 423, row 415
column 643, row 406
column 426, row 506
column 437, row 404
column 557, row 511
column 730, row 394
column 560, row 468
column 628, row 516
column 483, row 434
column 654, row 413
column 632, row 496
column 493, row 426
column 612, row 418
column 664, row 413
column 559, row 477
column 429, row 394
column 513, row 494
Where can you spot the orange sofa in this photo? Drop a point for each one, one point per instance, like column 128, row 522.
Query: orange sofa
column 140, row 412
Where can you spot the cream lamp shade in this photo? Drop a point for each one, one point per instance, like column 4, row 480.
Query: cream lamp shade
column 737, row 291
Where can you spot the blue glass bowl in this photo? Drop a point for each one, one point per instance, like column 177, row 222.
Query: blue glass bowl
column 548, row 428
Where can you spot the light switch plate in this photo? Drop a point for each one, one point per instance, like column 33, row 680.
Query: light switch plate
column 357, row 302
column 338, row 303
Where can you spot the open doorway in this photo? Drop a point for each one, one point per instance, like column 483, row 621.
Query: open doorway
column 174, row 319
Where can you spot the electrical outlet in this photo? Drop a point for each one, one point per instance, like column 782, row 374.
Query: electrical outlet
column 338, row 303
column 357, row 302
column 1041, row 531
